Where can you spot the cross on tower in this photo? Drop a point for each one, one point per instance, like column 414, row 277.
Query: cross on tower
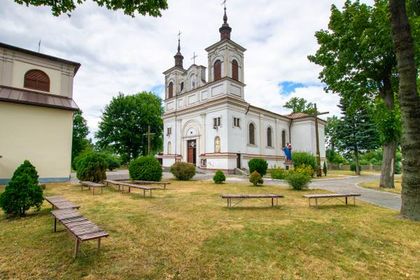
column 149, row 139
column 179, row 35
column 194, row 57
column 224, row 3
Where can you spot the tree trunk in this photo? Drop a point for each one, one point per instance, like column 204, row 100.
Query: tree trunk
column 388, row 165
column 356, row 157
column 410, row 110
column 390, row 148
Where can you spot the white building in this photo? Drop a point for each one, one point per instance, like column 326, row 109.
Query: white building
column 209, row 123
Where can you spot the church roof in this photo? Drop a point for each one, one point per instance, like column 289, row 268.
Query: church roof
column 226, row 41
column 297, row 115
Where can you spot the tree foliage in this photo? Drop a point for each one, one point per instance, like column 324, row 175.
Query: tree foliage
column 129, row 7
column 300, row 105
column 80, row 133
column 125, row 121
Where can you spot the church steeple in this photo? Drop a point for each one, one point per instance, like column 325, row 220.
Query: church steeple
column 225, row 29
column 179, row 57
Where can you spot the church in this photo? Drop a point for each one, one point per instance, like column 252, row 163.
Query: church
column 208, row 123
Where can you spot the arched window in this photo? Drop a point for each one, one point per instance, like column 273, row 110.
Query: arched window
column 171, row 90
column 235, row 70
column 283, row 138
column 251, row 134
column 269, row 137
column 217, row 68
column 36, row 79
column 217, row 146
column 169, row 148
column 193, row 81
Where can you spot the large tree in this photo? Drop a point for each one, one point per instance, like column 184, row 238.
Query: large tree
column 358, row 60
column 300, row 105
column 125, row 122
column 129, row 7
column 410, row 106
column 80, row 133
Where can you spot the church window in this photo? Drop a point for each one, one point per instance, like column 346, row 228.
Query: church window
column 169, row 148
column 236, row 122
column 171, row 90
column 251, row 134
column 216, row 122
column 235, row 70
column 169, row 131
column 217, row 146
column 36, row 79
column 269, row 137
column 283, row 138
column 182, row 86
column 217, row 69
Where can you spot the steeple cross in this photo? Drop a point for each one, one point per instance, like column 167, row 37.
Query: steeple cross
column 194, row 57
column 224, row 3
column 149, row 139
column 179, row 35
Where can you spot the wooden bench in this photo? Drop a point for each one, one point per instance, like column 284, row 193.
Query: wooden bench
column 59, row 202
column 330, row 196
column 163, row 184
column 91, row 185
column 241, row 197
column 80, row 227
column 122, row 184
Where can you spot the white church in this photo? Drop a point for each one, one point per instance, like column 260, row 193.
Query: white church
column 208, row 123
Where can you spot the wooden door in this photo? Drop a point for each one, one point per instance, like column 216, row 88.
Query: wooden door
column 191, row 151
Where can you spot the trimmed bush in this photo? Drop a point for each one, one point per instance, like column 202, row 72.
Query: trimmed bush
column 91, row 167
column 298, row 181
column 183, row 171
column 219, row 177
column 255, row 178
column 258, row 164
column 145, row 168
column 304, row 158
column 279, row 173
column 22, row 192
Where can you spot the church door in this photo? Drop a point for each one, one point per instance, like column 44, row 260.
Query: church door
column 191, row 151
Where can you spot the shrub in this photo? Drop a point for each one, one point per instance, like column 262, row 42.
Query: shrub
column 398, row 167
column 353, row 167
column 305, row 169
column 219, row 177
column 325, row 169
column 183, row 170
column 91, row 167
column 145, row 168
column 300, row 158
column 255, row 178
column 279, row 173
column 23, row 191
column 298, row 181
column 258, row 164
column 112, row 161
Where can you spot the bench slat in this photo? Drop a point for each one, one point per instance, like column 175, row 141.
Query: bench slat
column 327, row 195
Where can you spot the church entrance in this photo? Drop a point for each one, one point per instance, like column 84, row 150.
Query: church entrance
column 238, row 161
column 191, row 151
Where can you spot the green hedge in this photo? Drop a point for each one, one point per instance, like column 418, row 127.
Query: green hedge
column 183, row 171
column 145, row 168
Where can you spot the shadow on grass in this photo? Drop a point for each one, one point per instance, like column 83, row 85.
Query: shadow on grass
column 334, row 206
column 247, row 208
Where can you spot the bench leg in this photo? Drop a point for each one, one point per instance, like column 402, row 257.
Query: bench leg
column 76, row 248
column 316, row 202
column 346, row 200
column 354, row 200
column 99, row 244
column 272, row 202
column 144, row 193
column 93, row 191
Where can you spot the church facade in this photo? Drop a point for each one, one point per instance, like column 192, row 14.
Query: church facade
column 207, row 121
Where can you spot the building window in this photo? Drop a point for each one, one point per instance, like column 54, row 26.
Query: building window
column 171, row 90
column 269, row 137
column 169, row 131
column 235, row 70
column 236, row 122
column 283, row 138
column 251, row 134
column 216, row 122
column 217, row 69
column 36, row 79
column 217, row 144
column 169, row 148
column 182, row 86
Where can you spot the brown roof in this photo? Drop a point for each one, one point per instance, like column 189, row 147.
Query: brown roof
column 22, row 96
column 297, row 115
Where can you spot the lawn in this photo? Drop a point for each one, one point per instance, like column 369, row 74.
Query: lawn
column 186, row 232
column 375, row 185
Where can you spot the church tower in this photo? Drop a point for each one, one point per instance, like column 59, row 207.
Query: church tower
column 226, row 58
column 173, row 75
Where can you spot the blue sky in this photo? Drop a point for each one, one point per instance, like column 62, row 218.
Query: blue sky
column 119, row 53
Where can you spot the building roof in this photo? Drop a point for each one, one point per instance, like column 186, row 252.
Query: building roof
column 22, row 96
column 53, row 58
column 297, row 115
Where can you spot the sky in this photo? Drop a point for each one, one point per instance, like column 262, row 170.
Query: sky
column 120, row 53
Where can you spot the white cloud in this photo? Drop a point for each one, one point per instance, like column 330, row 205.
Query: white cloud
column 123, row 54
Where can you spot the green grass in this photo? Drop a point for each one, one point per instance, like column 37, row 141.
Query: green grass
column 375, row 185
column 186, row 232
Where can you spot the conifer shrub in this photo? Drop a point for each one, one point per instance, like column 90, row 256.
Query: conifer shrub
column 183, row 171
column 146, row 169
column 219, row 177
column 258, row 164
column 92, row 167
column 22, row 192
column 256, row 179
column 304, row 158
column 279, row 173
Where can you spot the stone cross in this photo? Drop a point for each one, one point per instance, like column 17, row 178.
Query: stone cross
column 149, row 139
column 194, row 57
